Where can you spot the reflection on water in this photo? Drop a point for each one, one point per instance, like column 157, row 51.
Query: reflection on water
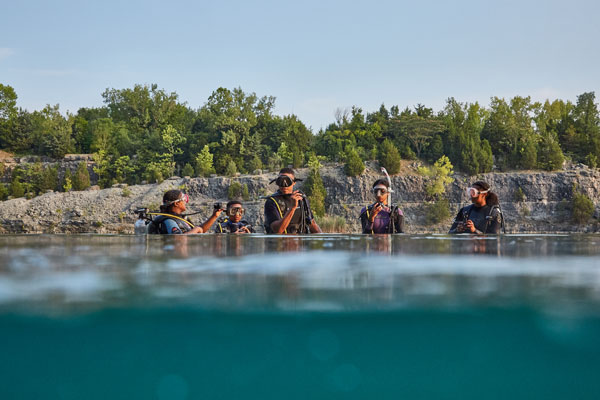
column 324, row 272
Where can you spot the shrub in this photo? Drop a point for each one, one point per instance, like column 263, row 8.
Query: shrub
column 439, row 177
column 67, row 181
column 591, row 160
column 16, row 188
column 519, row 195
column 314, row 187
column 354, row 164
column 332, row 224
column 187, row 170
column 81, row 179
column 582, row 208
column 437, row 212
column 389, row 157
column 234, row 191
column 245, row 193
column 3, row 192
column 126, row 192
column 231, row 168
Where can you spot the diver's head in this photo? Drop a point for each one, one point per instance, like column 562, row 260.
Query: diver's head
column 480, row 194
column 174, row 201
column 286, row 180
column 381, row 189
column 235, row 211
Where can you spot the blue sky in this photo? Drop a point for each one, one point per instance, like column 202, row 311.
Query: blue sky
column 313, row 56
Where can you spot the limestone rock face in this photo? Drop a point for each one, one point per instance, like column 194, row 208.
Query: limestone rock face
column 544, row 209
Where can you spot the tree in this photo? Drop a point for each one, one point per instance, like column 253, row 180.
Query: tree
column 231, row 169
column 285, row 155
column 314, row 187
column 187, row 170
column 354, row 165
column 16, row 188
column 204, row 162
column 582, row 208
column 439, row 177
column 67, row 181
column 81, row 178
column 8, row 102
column 389, row 157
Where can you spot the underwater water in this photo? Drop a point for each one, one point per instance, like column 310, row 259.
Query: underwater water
column 303, row 317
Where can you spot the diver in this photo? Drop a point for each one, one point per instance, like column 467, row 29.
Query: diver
column 287, row 210
column 233, row 222
column 481, row 217
column 171, row 220
column 380, row 217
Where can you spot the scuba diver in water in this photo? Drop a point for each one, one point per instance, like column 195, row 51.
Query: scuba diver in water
column 287, row 210
column 233, row 222
column 483, row 216
column 380, row 217
column 171, row 220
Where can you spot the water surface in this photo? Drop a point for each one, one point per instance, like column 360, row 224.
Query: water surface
column 328, row 316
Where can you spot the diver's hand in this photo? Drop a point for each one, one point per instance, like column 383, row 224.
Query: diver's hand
column 470, row 226
column 297, row 197
column 242, row 230
column 374, row 211
column 216, row 213
column 460, row 228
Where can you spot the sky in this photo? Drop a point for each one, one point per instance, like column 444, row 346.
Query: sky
column 313, row 56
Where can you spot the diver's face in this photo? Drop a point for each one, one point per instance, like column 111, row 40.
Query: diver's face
column 288, row 189
column 235, row 213
column 381, row 193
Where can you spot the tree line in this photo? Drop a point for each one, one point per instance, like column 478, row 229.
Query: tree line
column 147, row 133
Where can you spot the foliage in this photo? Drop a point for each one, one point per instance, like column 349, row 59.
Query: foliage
column 204, row 162
column 439, row 177
column 437, row 211
column 245, row 192
column 4, row 192
column 519, row 195
column 187, row 170
column 389, row 157
column 314, row 187
column 67, row 181
column 582, row 208
column 16, row 188
column 332, row 224
column 81, row 178
column 145, row 132
column 235, row 191
column 354, row 165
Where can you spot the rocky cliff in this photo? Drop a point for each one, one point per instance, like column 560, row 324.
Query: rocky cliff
column 544, row 207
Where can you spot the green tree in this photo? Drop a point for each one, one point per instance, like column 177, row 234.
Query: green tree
column 4, row 193
column 67, row 181
column 389, row 157
column 187, row 170
column 231, row 169
column 16, row 188
column 204, row 162
column 234, row 191
column 314, row 187
column 439, row 177
column 286, row 156
column 81, row 178
column 354, row 165
column 582, row 208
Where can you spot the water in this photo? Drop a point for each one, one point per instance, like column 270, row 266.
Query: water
column 329, row 316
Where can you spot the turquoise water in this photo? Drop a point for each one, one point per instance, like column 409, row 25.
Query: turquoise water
column 332, row 316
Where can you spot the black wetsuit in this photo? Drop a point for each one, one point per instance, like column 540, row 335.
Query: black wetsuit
column 487, row 219
column 276, row 207
column 228, row 226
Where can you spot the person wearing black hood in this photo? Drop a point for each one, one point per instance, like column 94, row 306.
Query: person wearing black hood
column 287, row 211
column 483, row 215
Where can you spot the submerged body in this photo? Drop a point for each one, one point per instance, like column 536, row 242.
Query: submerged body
column 387, row 220
column 486, row 219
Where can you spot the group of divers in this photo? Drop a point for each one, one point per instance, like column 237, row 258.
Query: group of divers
column 287, row 211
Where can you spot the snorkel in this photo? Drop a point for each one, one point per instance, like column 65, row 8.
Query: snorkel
column 390, row 190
